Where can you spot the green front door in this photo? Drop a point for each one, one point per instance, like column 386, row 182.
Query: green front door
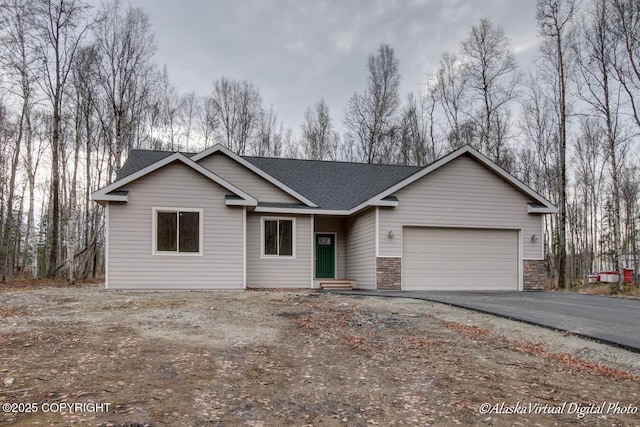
column 325, row 256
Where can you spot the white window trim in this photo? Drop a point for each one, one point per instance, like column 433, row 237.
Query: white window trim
column 293, row 236
column 154, row 214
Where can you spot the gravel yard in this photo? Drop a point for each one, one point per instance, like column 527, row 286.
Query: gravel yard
column 86, row 356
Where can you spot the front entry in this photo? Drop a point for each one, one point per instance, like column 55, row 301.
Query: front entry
column 325, row 256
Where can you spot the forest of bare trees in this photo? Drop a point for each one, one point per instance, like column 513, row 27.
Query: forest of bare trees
column 79, row 89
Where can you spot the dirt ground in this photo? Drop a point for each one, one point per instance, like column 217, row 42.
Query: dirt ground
column 80, row 355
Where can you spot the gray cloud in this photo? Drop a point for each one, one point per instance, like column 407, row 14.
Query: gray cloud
column 298, row 51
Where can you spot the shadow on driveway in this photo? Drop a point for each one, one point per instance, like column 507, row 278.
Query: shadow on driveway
column 608, row 320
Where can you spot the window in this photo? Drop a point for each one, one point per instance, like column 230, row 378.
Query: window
column 177, row 231
column 278, row 237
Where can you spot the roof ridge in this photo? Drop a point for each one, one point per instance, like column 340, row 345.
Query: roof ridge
column 190, row 153
column 163, row 151
column 332, row 161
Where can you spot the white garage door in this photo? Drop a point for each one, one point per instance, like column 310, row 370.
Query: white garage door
column 459, row 259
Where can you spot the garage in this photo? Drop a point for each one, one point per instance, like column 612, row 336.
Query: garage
column 459, row 259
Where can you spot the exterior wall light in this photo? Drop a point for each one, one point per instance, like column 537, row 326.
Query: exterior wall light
column 390, row 234
column 534, row 238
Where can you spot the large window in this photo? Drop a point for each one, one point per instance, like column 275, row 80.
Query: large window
column 278, row 237
column 177, row 231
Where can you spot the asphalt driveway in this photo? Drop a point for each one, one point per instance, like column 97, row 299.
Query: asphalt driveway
column 609, row 320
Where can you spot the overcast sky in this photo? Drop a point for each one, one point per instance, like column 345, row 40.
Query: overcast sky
column 298, row 51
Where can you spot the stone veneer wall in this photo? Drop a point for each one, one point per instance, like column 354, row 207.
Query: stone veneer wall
column 388, row 273
column 533, row 274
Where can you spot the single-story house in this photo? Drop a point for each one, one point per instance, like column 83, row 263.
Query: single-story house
column 217, row 220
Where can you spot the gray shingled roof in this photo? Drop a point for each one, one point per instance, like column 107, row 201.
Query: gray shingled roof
column 334, row 185
column 330, row 185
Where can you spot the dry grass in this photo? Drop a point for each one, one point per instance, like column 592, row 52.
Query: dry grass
column 630, row 291
column 598, row 289
column 21, row 284
column 29, row 284
column 633, row 292
column 549, row 284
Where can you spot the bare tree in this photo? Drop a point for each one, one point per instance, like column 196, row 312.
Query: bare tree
column 207, row 120
column 450, row 88
column 62, row 25
column 81, row 227
column 491, row 78
column 624, row 21
column 189, row 106
column 19, row 61
column 237, row 107
column 590, row 162
column 630, row 196
column 416, row 135
column 268, row 139
column 596, row 59
column 538, row 131
column 429, row 104
column 125, row 45
column 539, row 155
column 348, row 152
column 290, row 146
column 554, row 21
column 319, row 140
column 8, row 170
column 370, row 118
column 169, row 106
column 34, row 151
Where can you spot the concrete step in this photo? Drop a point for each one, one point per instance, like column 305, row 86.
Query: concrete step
column 336, row 285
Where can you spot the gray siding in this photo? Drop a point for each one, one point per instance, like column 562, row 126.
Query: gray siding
column 463, row 193
column 244, row 179
column 334, row 225
column 279, row 272
column 131, row 263
column 361, row 249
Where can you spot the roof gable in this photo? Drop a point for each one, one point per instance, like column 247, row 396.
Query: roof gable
column 109, row 192
column 542, row 205
column 240, row 160
column 140, row 159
